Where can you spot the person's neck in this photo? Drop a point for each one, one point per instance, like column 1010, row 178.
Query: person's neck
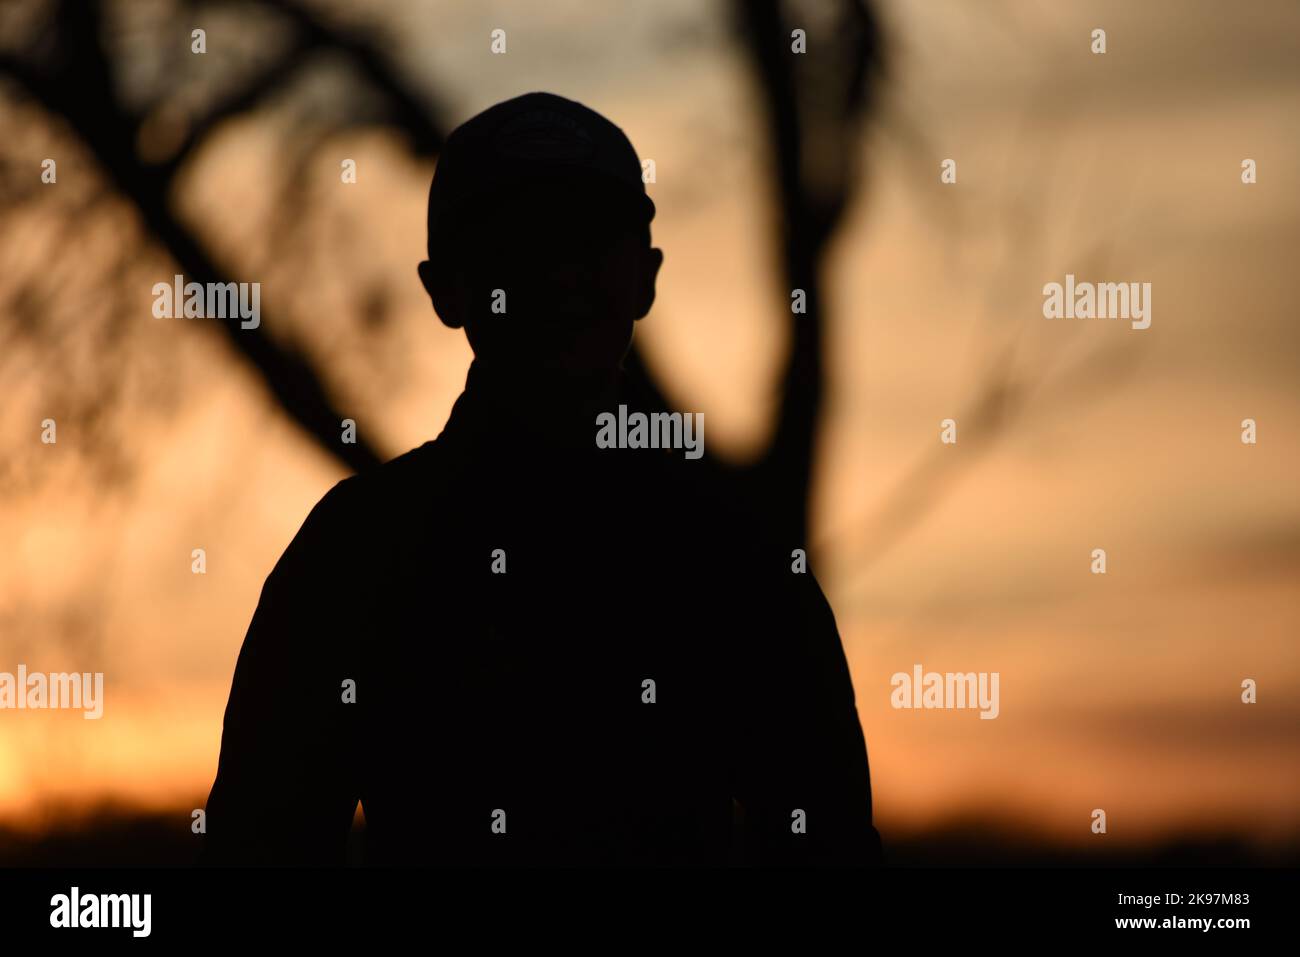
column 554, row 407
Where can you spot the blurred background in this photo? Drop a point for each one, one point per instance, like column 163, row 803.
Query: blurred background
column 773, row 171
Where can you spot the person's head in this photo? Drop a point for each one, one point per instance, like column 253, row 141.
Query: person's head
column 539, row 237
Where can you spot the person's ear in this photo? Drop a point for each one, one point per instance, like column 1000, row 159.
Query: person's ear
column 444, row 293
column 652, row 259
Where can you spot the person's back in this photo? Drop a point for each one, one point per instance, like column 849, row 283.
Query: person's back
column 514, row 646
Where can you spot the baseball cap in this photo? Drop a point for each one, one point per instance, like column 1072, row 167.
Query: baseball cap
column 533, row 140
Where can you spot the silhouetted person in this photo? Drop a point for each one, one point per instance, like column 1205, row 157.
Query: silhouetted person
column 560, row 653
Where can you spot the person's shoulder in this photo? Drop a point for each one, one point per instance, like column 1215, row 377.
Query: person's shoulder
column 395, row 476
column 368, row 499
column 708, row 497
column 743, row 542
column 391, row 488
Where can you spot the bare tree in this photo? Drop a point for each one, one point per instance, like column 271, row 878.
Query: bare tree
column 814, row 109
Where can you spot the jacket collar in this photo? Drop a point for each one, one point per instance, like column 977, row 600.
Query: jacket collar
column 501, row 413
